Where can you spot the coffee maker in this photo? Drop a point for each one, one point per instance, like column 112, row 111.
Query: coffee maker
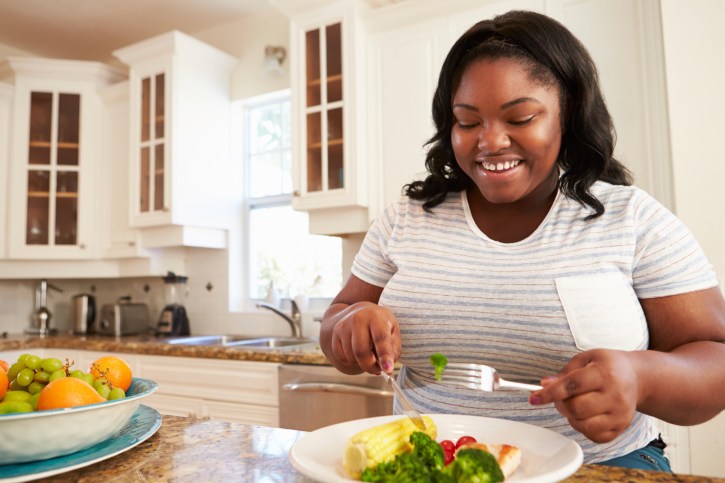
column 173, row 319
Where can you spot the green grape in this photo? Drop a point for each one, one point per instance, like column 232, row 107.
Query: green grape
column 23, row 357
column 101, row 381
column 33, row 401
column 9, row 407
column 78, row 374
column 104, row 391
column 51, row 364
column 25, row 377
column 33, row 362
column 116, row 393
column 14, row 369
column 35, row 387
column 14, row 386
column 57, row 375
column 88, row 378
column 16, row 396
column 42, row 376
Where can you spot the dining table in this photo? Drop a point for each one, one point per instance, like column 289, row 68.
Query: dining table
column 188, row 449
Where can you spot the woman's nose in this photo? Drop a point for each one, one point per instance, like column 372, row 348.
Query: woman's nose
column 492, row 139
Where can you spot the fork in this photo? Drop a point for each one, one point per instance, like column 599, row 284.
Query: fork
column 478, row 376
column 408, row 408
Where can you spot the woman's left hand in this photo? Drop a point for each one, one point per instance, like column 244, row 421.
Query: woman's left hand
column 597, row 391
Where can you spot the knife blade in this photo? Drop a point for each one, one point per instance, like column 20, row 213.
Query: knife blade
column 408, row 408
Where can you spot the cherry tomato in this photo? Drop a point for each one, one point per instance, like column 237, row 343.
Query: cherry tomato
column 465, row 440
column 449, row 450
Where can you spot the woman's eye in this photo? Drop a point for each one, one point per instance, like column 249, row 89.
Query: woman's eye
column 522, row 122
column 464, row 125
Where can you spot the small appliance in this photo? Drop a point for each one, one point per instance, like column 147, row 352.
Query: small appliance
column 123, row 318
column 173, row 319
column 84, row 314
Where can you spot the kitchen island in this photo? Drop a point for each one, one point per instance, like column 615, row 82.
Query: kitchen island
column 193, row 450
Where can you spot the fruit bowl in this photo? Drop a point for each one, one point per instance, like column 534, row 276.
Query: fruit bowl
column 46, row 434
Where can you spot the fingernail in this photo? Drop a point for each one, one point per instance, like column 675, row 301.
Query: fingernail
column 535, row 400
column 550, row 378
column 387, row 366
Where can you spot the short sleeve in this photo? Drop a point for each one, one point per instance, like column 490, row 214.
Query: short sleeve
column 372, row 264
column 668, row 260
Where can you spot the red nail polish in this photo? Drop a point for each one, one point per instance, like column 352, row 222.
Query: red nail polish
column 535, row 400
column 387, row 365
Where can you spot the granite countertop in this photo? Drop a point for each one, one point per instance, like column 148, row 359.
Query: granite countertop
column 192, row 450
column 143, row 344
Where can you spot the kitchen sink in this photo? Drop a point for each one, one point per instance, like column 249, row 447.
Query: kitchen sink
column 244, row 342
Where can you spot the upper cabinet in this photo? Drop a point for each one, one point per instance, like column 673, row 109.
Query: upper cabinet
column 182, row 177
column 6, row 93
column 55, row 157
column 328, row 106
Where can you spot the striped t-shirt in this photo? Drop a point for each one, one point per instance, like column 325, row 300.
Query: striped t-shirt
column 526, row 308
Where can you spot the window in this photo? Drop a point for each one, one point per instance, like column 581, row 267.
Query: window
column 280, row 249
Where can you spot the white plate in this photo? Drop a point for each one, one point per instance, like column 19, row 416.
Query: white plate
column 144, row 423
column 546, row 456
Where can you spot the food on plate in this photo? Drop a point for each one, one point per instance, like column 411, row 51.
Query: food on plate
column 399, row 451
column 382, row 443
column 507, row 456
column 34, row 383
column 439, row 362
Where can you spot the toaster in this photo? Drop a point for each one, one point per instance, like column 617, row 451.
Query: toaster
column 123, row 318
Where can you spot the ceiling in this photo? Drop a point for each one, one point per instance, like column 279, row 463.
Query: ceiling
column 92, row 29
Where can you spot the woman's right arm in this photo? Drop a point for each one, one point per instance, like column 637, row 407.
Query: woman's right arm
column 358, row 335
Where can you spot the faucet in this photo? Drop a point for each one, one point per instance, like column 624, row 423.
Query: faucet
column 294, row 321
column 42, row 315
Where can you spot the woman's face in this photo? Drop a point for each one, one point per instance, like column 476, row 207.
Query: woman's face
column 507, row 131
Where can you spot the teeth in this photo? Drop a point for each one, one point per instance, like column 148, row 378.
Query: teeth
column 500, row 166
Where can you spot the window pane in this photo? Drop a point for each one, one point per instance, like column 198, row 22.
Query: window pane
column 266, row 132
column 268, row 175
column 282, row 251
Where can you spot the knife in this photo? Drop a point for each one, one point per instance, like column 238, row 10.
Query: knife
column 408, row 408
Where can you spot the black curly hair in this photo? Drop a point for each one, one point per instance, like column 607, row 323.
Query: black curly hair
column 553, row 56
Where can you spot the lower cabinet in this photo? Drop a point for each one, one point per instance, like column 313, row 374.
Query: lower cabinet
column 241, row 391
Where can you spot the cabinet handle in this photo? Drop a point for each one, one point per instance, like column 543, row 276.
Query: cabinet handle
column 132, row 243
column 296, row 193
column 82, row 246
column 336, row 388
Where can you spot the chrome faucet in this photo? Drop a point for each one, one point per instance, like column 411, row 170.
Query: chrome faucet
column 42, row 316
column 294, row 321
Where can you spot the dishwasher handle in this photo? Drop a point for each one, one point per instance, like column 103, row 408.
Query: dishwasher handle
column 336, row 388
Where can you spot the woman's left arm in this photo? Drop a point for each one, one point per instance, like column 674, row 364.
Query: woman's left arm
column 680, row 379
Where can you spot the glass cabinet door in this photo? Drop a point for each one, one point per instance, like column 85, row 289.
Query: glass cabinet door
column 324, row 109
column 53, row 165
column 151, row 157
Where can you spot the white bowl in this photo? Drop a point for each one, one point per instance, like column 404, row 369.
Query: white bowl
column 46, row 434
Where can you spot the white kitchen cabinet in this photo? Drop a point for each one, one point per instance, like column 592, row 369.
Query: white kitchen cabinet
column 6, row 97
column 54, row 159
column 183, row 180
column 330, row 174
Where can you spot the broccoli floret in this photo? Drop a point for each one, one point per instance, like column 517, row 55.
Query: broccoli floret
column 439, row 362
column 474, row 465
column 422, row 465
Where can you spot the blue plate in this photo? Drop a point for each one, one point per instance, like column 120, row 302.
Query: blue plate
column 143, row 424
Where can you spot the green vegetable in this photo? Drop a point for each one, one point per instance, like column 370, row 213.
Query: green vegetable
column 425, row 464
column 473, row 465
column 439, row 362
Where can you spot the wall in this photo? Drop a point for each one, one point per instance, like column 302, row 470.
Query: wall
column 695, row 68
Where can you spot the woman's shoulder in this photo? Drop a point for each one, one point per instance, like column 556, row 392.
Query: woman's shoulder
column 611, row 195
column 406, row 204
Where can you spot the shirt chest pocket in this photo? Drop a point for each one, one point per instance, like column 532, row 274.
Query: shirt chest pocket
column 603, row 312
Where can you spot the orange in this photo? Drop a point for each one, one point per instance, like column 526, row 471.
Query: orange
column 4, row 366
column 114, row 369
column 4, row 383
column 67, row 392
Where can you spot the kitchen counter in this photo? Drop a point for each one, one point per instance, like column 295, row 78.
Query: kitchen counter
column 187, row 449
column 156, row 346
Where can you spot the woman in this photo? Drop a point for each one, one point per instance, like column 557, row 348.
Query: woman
column 527, row 249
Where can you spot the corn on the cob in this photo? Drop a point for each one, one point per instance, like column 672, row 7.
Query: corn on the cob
column 370, row 447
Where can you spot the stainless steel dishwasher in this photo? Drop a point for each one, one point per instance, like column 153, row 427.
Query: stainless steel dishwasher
column 311, row 397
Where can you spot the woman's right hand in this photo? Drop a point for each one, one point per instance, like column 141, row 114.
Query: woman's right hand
column 362, row 337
